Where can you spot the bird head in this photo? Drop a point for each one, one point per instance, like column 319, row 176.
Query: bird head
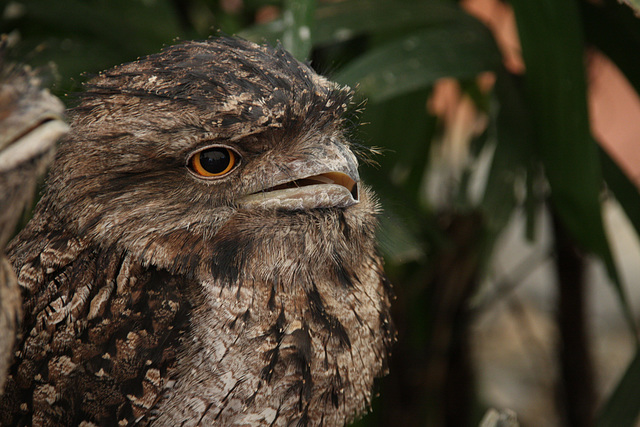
column 204, row 148
column 30, row 124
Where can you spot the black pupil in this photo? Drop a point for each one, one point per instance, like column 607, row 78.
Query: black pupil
column 215, row 160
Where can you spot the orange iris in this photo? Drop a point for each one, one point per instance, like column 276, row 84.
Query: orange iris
column 213, row 162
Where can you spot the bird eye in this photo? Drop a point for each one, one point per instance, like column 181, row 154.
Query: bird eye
column 214, row 161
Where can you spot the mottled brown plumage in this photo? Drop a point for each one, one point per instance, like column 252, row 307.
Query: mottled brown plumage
column 156, row 295
column 30, row 124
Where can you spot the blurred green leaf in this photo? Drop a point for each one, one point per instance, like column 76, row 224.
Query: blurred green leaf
column 298, row 26
column 623, row 407
column 556, row 90
column 339, row 21
column 421, row 58
column 513, row 151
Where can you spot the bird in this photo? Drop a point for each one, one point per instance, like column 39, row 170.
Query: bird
column 204, row 252
column 30, row 123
